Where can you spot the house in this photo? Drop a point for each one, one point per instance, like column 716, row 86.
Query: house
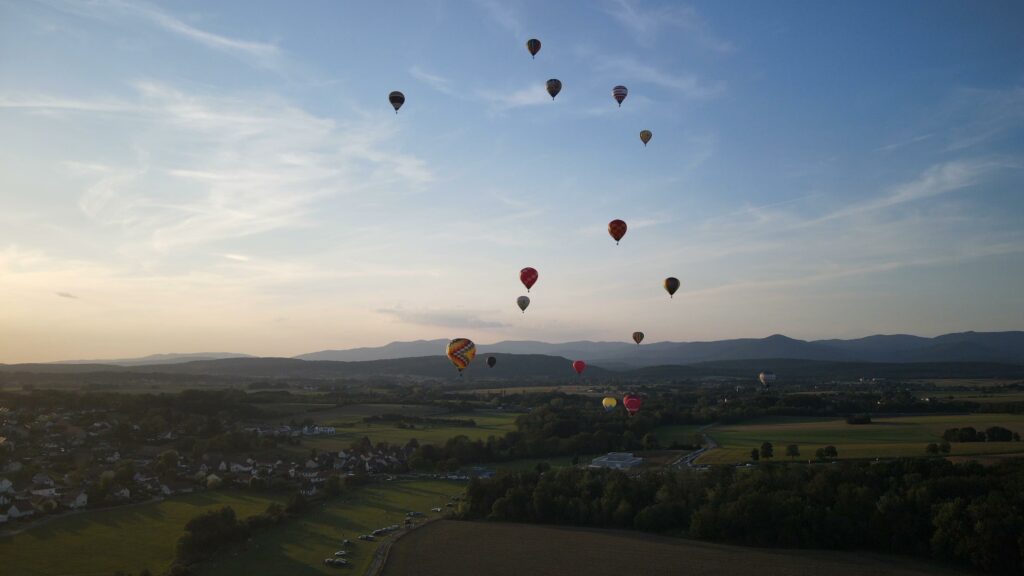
column 42, row 479
column 6, row 486
column 14, row 512
column 74, row 501
column 45, row 492
column 3, row 518
column 617, row 461
column 122, row 494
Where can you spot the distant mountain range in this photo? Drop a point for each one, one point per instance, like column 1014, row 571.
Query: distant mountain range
column 153, row 359
column 1000, row 347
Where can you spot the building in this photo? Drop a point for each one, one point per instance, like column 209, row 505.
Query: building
column 617, row 461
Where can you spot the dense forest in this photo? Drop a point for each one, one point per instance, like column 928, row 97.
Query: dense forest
column 960, row 513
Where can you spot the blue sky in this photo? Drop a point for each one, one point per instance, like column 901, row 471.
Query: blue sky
column 229, row 176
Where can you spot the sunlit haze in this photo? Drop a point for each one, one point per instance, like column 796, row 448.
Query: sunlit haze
column 229, row 176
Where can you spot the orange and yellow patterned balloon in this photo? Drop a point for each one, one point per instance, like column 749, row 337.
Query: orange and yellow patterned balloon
column 461, row 352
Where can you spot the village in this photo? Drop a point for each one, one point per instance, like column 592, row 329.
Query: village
column 63, row 461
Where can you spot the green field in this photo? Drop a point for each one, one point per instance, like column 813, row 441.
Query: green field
column 488, row 423
column 132, row 538
column 331, row 415
column 682, row 434
column 128, row 538
column 883, row 438
column 299, row 547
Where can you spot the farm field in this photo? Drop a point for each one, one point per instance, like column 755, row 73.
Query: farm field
column 680, row 433
column 329, row 414
column 454, row 548
column 127, row 538
column 488, row 423
column 883, row 438
column 299, row 547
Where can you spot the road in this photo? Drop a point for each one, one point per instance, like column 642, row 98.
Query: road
column 690, row 458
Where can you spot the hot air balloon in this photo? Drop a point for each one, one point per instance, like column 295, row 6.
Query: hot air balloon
column 491, row 361
column 619, row 93
column 671, row 285
column 645, row 136
column 397, row 99
column 528, row 276
column 766, row 378
column 579, row 366
column 638, row 337
column 609, row 403
column 533, row 45
column 617, row 228
column 461, row 352
column 523, row 302
column 632, row 403
column 554, row 87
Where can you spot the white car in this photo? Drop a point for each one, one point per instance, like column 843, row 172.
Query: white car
column 436, row 509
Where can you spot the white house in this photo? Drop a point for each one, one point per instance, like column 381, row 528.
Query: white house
column 123, row 493
column 48, row 492
column 41, row 479
column 14, row 513
column 3, row 518
column 6, row 486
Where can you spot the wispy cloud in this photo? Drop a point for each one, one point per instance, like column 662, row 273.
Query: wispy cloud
column 903, row 143
column 261, row 54
column 441, row 318
column 532, row 95
column 686, row 84
column 67, row 295
column 442, row 85
column 503, row 14
column 646, row 24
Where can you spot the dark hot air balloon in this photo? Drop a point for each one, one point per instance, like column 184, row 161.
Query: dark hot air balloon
column 554, row 87
column 671, row 285
column 491, row 361
column 533, row 45
column 617, row 229
column 461, row 352
column 397, row 99
column 528, row 276
column 645, row 136
column 638, row 337
column 632, row 403
column 579, row 366
column 523, row 302
column 619, row 93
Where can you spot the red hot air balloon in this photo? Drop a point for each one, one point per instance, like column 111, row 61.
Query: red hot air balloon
column 632, row 403
column 617, row 228
column 533, row 45
column 619, row 93
column 579, row 366
column 528, row 276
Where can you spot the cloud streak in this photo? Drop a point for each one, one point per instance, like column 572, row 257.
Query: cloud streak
column 647, row 24
column 441, row 318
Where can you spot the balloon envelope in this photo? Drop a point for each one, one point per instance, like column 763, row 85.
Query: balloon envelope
column 533, row 45
column 528, row 276
column 609, row 403
column 461, row 352
column 638, row 337
column 632, row 403
column 617, row 229
column 397, row 99
column 619, row 93
column 579, row 366
column 645, row 136
column 491, row 361
column 766, row 377
column 523, row 302
column 671, row 285
column 554, row 87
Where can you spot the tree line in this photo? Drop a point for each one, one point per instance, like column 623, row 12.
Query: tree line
column 961, row 513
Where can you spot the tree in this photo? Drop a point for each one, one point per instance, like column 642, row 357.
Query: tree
column 793, row 451
column 932, row 449
column 755, row 455
column 650, row 441
column 831, row 452
column 944, row 447
column 767, row 451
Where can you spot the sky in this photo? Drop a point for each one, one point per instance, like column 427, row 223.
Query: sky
column 195, row 176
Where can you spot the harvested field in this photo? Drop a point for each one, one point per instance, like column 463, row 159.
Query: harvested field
column 452, row 548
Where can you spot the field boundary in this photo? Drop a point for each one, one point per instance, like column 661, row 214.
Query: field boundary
column 380, row 555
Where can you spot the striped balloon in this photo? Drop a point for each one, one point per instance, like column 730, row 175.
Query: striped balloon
column 619, row 93
column 554, row 87
column 461, row 352
column 617, row 229
column 397, row 99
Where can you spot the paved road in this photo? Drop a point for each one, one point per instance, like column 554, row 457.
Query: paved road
column 709, row 445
